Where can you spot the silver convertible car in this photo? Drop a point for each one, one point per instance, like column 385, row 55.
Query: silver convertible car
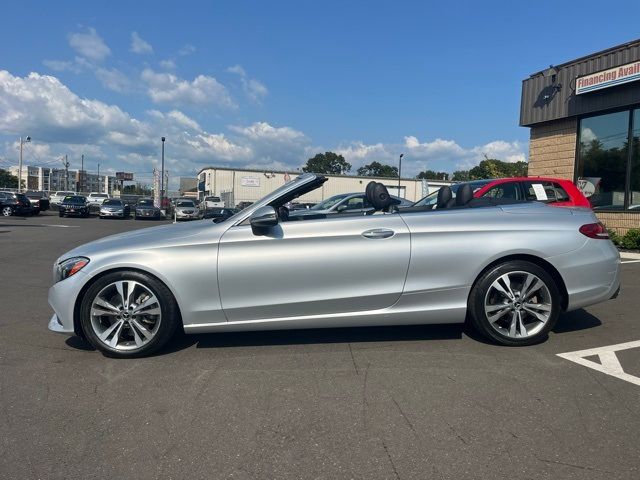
column 509, row 268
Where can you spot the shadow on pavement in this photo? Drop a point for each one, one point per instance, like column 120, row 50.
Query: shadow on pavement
column 576, row 320
column 315, row 336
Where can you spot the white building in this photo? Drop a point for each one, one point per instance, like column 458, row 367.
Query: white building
column 236, row 185
column 53, row 179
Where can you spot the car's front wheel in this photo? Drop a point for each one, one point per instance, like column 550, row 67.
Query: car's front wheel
column 128, row 314
column 516, row 303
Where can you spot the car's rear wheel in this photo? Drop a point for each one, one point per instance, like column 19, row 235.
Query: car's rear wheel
column 7, row 211
column 516, row 303
column 128, row 314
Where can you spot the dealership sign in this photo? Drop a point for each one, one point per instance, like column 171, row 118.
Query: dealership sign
column 250, row 181
column 608, row 78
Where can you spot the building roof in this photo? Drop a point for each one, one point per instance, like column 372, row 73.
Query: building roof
column 295, row 172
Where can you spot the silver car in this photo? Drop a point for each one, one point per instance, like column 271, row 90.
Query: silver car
column 511, row 268
column 186, row 210
column 345, row 203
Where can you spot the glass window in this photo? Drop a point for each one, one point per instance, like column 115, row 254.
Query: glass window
column 504, row 190
column 634, row 181
column 603, row 153
column 357, row 203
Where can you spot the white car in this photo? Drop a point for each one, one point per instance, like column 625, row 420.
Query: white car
column 96, row 198
column 57, row 197
column 186, row 210
column 213, row 202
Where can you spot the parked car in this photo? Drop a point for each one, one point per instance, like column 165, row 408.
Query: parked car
column 186, row 210
column 74, row 205
column 345, row 203
column 95, row 199
column 39, row 201
column 213, row 202
column 510, row 266
column 60, row 195
column 15, row 204
column 301, row 206
column 556, row 192
column 114, row 208
column 219, row 214
column 146, row 209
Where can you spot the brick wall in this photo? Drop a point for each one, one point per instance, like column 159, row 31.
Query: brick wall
column 620, row 222
column 552, row 149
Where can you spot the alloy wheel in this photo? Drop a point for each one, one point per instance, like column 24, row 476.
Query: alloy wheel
column 125, row 315
column 6, row 211
column 518, row 304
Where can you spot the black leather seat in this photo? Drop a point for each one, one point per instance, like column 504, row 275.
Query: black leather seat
column 379, row 197
column 464, row 195
column 445, row 197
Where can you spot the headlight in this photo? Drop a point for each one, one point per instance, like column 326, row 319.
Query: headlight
column 70, row 267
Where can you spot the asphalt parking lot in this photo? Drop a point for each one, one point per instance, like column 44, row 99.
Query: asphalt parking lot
column 400, row 402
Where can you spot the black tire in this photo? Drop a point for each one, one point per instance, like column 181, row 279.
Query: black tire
column 168, row 324
column 478, row 295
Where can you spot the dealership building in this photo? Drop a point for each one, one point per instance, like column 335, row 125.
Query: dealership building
column 235, row 185
column 584, row 120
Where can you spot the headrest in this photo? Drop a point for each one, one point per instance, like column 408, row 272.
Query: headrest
column 379, row 197
column 444, row 197
column 464, row 195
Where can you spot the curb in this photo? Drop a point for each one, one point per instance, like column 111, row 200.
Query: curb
column 630, row 256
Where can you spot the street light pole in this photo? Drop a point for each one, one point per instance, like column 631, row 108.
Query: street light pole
column 99, row 189
column 400, row 171
column 162, row 175
column 22, row 142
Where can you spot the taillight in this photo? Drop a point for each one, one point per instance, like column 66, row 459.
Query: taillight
column 594, row 230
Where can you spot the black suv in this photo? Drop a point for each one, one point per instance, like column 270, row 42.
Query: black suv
column 15, row 204
column 74, row 205
column 39, row 201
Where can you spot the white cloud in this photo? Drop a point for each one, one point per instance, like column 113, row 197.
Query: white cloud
column 140, row 46
column 266, row 132
column 169, row 89
column 61, row 65
column 168, row 64
column 89, row 45
column 255, row 90
column 112, row 79
column 188, row 49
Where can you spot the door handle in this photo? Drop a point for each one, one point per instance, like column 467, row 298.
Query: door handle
column 378, row 233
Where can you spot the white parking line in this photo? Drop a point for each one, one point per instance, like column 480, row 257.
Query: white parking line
column 609, row 362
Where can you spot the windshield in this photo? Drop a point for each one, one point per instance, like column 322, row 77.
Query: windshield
column 63, row 194
column 185, row 203
column 330, row 202
column 112, row 202
column 99, row 195
column 145, row 203
column 212, row 199
column 75, row 199
column 432, row 198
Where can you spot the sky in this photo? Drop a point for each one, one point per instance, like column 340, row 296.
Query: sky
column 269, row 84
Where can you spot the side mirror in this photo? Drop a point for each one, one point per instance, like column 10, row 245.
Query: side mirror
column 341, row 208
column 263, row 218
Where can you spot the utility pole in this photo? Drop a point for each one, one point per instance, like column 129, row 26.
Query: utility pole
column 82, row 173
column 400, row 171
column 162, row 175
column 99, row 189
column 22, row 142
column 66, row 173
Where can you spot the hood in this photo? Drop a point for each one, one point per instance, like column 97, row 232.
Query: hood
column 308, row 212
column 150, row 238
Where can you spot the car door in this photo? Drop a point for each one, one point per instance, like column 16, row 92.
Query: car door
column 313, row 267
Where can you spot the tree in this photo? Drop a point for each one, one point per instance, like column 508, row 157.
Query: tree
column 460, row 176
column 327, row 162
column 377, row 169
column 137, row 189
column 493, row 168
column 7, row 180
column 432, row 175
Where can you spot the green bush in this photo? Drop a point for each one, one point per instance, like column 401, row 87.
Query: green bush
column 631, row 239
column 615, row 238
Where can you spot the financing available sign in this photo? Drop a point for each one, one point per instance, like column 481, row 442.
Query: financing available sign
column 608, row 78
